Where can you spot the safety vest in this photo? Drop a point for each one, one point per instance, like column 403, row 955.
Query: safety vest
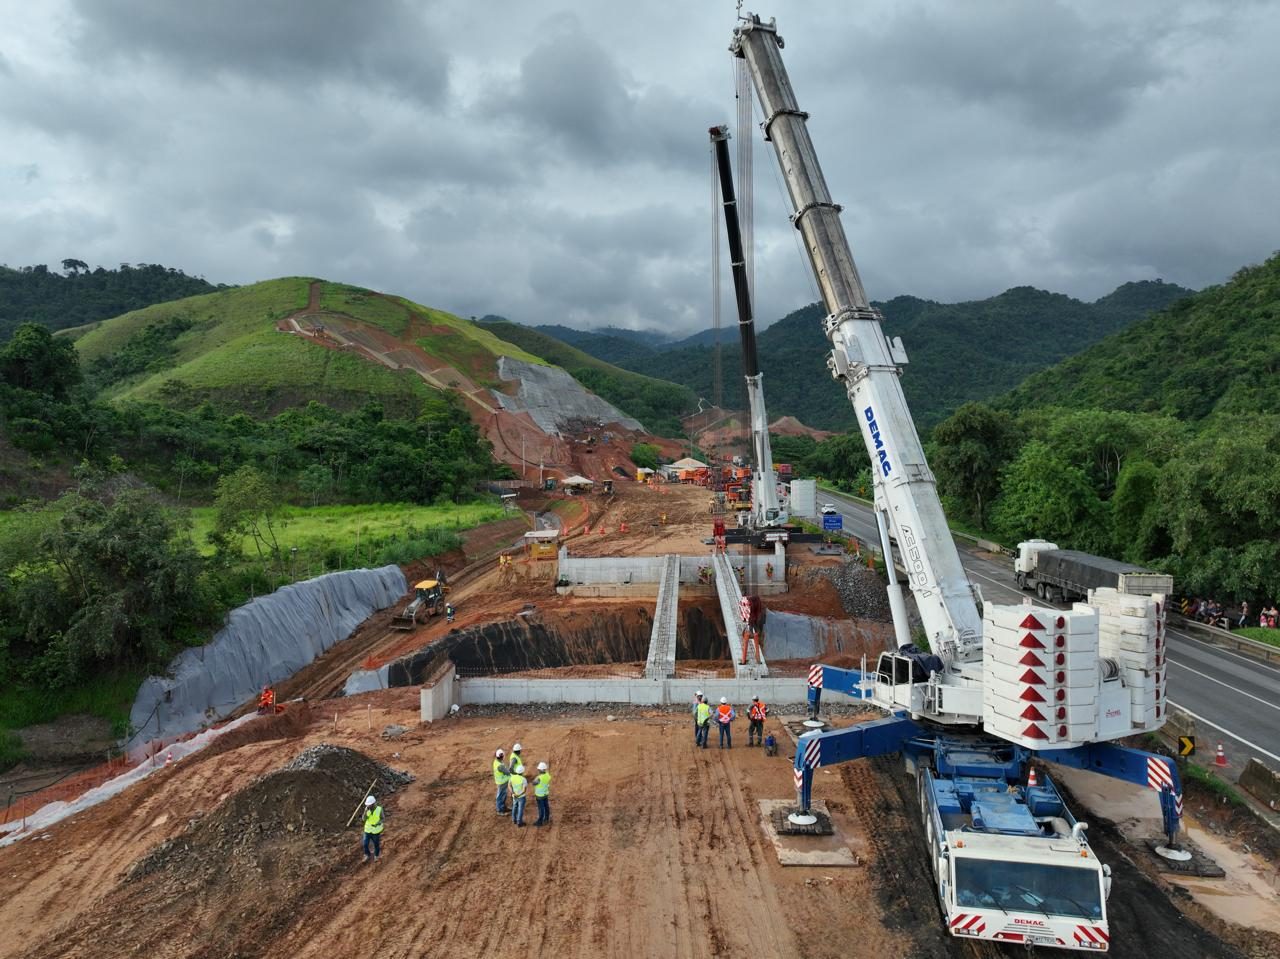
column 724, row 713
column 703, row 713
column 542, row 786
column 500, row 775
column 267, row 698
column 517, row 764
column 758, row 711
column 518, row 785
column 373, row 821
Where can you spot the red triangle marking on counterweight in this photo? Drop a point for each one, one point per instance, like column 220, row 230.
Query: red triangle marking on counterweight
column 1030, row 659
column 1032, row 678
column 1034, row 732
column 1030, row 642
column 1032, row 713
column 1031, row 623
column 1029, row 695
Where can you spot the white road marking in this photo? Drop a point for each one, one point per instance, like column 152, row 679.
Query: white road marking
column 1238, row 692
column 1247, row 660
column 1226, row 732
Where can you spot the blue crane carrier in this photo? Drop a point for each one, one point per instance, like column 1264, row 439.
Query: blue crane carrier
column 999, row 686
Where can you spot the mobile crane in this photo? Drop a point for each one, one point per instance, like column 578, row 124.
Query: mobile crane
column 767, row 511
column 995, row 688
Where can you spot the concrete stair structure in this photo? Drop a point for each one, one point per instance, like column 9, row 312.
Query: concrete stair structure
column 661, row 663
column 730, row 595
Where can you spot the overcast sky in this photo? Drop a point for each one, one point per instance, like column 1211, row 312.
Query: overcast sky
column 549, row 161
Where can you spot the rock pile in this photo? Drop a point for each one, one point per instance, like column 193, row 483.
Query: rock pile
column 305, row 805
column 861, row 590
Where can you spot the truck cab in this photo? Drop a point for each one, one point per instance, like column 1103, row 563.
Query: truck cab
column 1010, row 862
column 1024, row 564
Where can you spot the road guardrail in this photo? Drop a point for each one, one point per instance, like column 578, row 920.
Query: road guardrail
column 1224, row 637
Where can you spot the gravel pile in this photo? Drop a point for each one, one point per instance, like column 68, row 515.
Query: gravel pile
column 861, row 590
column 349, row 767
column 299, row 813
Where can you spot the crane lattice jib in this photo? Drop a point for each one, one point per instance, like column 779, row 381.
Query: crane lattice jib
column 866, row 363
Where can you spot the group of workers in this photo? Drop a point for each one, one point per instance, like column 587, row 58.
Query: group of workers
column 509, row 775
column 723, row 716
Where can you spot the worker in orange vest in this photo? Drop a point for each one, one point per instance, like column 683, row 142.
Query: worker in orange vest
column 756, row 715
column 725, row 715
column 267, row 701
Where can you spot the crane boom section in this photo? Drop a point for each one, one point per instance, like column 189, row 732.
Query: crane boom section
column 867, row 364
column 766, row 507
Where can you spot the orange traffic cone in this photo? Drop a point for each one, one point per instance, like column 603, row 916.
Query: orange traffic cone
column 1031, row 778
column 1221, row 758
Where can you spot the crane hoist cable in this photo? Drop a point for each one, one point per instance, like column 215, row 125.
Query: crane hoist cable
column 717, row 370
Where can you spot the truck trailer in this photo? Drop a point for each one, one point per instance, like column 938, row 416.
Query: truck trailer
column 1066, row 575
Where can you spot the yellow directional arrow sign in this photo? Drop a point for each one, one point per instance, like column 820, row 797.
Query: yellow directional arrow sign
column 1186, row 745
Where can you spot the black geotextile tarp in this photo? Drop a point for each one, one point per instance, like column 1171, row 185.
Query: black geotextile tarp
column 264, row 641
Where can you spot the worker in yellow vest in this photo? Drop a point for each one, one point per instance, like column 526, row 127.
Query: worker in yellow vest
column 702, row 716
column 542, row 794
column 693, row 709
column 517, row 761
column 372, row 829
column 519, row 789
column 756, row 715
column 501, row 777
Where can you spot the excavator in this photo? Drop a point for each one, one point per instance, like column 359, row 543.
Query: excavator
column 428, row 600
column 979, row 696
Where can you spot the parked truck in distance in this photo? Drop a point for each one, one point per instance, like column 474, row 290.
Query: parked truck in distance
column 1066, row 575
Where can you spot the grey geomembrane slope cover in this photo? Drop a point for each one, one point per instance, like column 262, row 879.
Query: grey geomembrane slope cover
column 264, row 641
column 551, row 396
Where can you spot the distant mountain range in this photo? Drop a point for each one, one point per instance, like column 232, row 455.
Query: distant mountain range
column 957, row 351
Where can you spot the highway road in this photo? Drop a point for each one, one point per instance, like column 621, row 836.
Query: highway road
column 1234, row 698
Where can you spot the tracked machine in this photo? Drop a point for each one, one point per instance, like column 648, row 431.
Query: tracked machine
column 997, row 688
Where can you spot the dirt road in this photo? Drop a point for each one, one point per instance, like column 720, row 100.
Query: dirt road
column 655, row 851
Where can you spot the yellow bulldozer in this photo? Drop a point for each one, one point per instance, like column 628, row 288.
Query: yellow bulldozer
column 428, row 600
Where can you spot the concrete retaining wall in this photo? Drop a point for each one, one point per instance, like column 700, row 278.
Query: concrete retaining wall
column 637, row 692
column 587, row 571
column 438, row 695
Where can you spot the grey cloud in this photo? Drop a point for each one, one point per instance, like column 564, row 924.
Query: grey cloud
column 1045, row 61
column 388, row 43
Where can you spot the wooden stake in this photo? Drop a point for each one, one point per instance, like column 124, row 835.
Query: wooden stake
column 361, row 806
column 369, row 715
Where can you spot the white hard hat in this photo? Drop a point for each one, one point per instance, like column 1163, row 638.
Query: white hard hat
column 542, row 767
column 755, row 699
column 698, row 693
column 723, row 700
column 369, row 800
column 515, row 748
column 499, row 754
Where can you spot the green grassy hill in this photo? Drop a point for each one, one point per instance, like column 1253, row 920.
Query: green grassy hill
column 225, row 346
column 655, row 402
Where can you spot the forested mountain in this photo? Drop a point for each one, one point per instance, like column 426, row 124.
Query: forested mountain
column 36, row 294
column 1160, row 444
column 1218, row 351
column 958, row 351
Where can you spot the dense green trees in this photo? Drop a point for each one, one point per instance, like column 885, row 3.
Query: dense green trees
column 104, row 577
column 34, row 294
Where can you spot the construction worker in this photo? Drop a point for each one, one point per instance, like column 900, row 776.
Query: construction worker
column 448, row 612
column 501, row 777
column 542, row 794
column 267, row 701
column 702, row 719
column 756, row 715
column 372, row 829
column 519, row 789
column 693, row 709
column 770, row 745
column 725, row 715
column 517, row 761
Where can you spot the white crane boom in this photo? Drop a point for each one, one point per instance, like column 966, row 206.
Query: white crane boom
column 868, row 366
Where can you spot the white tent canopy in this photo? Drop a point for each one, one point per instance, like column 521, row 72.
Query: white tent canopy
column 577, row 481
column 688, row 463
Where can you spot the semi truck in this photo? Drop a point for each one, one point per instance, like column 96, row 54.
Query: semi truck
column 1066, row 575
column 998, row 690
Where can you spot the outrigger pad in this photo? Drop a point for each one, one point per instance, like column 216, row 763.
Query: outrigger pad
column 785, row 827
column 1198, row 865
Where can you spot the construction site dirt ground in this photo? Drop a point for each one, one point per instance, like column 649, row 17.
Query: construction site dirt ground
column 655, row 850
